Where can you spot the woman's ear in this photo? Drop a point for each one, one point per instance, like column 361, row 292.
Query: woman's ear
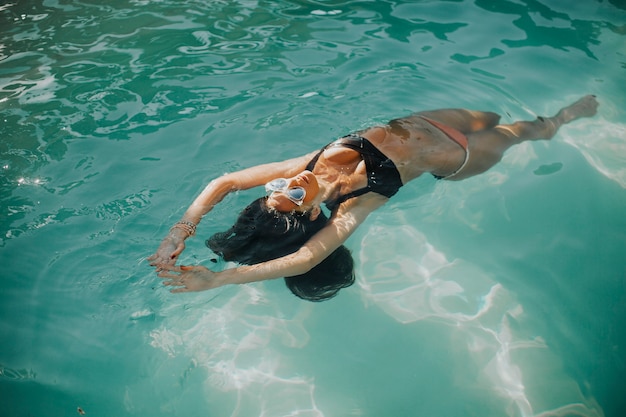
column 315, row 212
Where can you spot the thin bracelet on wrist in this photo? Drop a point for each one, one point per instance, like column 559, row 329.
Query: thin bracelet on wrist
column 188, row 227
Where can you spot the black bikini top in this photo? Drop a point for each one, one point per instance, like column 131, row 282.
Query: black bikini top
column 382, row 175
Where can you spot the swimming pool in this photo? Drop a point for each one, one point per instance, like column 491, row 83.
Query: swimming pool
column 502, row 295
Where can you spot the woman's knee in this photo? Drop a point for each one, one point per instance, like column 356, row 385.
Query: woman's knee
column 539, row 129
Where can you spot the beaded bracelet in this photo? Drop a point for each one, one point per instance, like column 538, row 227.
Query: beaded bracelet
column 186, row 226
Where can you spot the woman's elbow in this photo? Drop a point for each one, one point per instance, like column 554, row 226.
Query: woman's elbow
column 306, row 260
column 225, row 184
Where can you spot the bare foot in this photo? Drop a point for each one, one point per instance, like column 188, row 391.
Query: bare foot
column 585, row 107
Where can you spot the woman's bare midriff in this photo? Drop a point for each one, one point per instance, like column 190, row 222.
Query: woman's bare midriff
column 417, row 148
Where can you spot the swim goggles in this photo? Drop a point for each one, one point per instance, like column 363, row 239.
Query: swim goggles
column 281, row 185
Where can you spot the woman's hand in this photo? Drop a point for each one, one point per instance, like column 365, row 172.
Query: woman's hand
column 189, row 278
column 168, row 252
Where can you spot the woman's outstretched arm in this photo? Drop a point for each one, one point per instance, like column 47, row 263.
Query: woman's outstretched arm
column 349, row 216
column 174, row 243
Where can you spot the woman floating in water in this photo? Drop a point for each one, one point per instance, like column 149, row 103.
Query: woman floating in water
column 287, row 235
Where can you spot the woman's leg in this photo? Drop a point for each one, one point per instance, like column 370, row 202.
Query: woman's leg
column 465, row 121
column 488, row 146
column 546, row 127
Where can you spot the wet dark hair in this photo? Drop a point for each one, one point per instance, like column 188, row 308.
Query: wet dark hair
column 326, row 279
column 261, row 234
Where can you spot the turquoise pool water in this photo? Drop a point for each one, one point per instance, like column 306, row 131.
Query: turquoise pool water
column 502, row 295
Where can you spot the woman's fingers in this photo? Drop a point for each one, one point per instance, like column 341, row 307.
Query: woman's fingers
column 172, row 272
column 158, row 261
column 154, row 259
column 171, row 268
column 175, row 274
column 177, row 290
column 167, row 275
column 186, row 278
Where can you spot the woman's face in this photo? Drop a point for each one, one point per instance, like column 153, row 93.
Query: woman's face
column 283, row 201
